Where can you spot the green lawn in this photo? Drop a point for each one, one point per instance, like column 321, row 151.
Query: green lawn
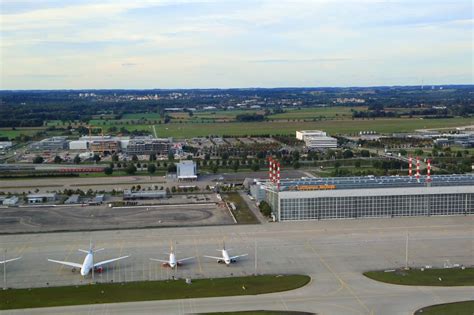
column 242, row 214
column 309, row 113
column 147, row 291
column 8, row 132
column 185, row 130
column 148, row 116
column 457, row 308
column 428, row 277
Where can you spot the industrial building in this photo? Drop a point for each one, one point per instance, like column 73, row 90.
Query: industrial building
column 100, row 144
column 370, row 197
column 10, row 201
column 316, row 139
column 186, row 170
column 51, row 144
column 40, row 198
column 147, row 146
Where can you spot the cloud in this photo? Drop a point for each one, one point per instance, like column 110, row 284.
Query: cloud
column 129, row 64
column 311, row 60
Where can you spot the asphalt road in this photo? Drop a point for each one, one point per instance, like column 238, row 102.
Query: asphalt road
column 334, row 253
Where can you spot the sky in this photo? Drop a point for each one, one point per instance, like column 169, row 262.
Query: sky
column 141, row 44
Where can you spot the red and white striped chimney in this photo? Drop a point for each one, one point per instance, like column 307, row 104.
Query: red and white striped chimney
column 278, row 175
column 428, row 171
column 417, row 168
column 270, row 168
column 410, row 166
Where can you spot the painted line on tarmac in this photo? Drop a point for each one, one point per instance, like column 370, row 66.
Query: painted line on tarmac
column 328, row 267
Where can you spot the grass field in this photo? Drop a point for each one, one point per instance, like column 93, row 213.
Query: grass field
column 8, row 132
column 309, row 113
column 147, row 291
column 142, row 115
column 457, row 308
column 428, row 277
column 242, row 214
column 283, row 127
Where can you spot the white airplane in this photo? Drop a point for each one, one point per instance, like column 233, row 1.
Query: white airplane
column 88, row 263
column 225, row 258
column 172, row 262
column 9, row 260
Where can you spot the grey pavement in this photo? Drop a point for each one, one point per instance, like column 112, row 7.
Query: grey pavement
column 333, row 253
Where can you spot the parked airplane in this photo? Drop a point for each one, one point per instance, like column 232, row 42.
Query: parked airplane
column 88, row 263
column 171, row 262
column 225, row 256
column 9, row 260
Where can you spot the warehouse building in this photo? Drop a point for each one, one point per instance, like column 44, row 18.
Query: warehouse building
column 370, row 197
column 316, row 139
column 51, row 144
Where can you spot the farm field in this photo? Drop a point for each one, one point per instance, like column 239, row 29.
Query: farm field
column 8, row 132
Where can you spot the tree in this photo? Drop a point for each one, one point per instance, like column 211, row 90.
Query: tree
column 235, row 165
column 108, row 171
column 151, row 168
column 296, row 165
column 38, row 160
column 77, row 159
column 115, row 158
column 348, row 154
column 255, row 167
column 57, row 159
column 265, row 208
column 365, row 153
column 131, row 169
column 215, row 168
column 171, row 168
column 96, row 158
column 134, row 158
column 152, row 157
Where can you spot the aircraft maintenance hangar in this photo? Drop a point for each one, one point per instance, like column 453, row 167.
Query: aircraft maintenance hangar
column 370, row 197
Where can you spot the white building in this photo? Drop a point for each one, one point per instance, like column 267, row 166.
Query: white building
column 186, row 170
column 5, row 145
column 12, row 201
column 300, row 135
column 316, row 139
column 321, row 142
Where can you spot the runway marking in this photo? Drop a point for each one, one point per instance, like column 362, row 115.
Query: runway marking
column 284, row 304
column 197, row 257
column 351, row 291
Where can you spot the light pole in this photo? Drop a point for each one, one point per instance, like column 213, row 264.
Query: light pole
column 406, row 253
column 5, row 270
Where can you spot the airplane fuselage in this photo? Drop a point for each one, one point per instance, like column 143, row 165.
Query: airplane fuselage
column 225, row 257
column 172, row 262
column 88, row 264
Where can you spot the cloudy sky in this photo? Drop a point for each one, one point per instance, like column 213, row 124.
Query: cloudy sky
column 65, row 44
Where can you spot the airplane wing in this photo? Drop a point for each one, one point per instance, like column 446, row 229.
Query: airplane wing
column 234, row 257
column 67, row 263
column 163, row 261
column 8, row 260
column 181, row 260
column 105, row 262
column 213, row 257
